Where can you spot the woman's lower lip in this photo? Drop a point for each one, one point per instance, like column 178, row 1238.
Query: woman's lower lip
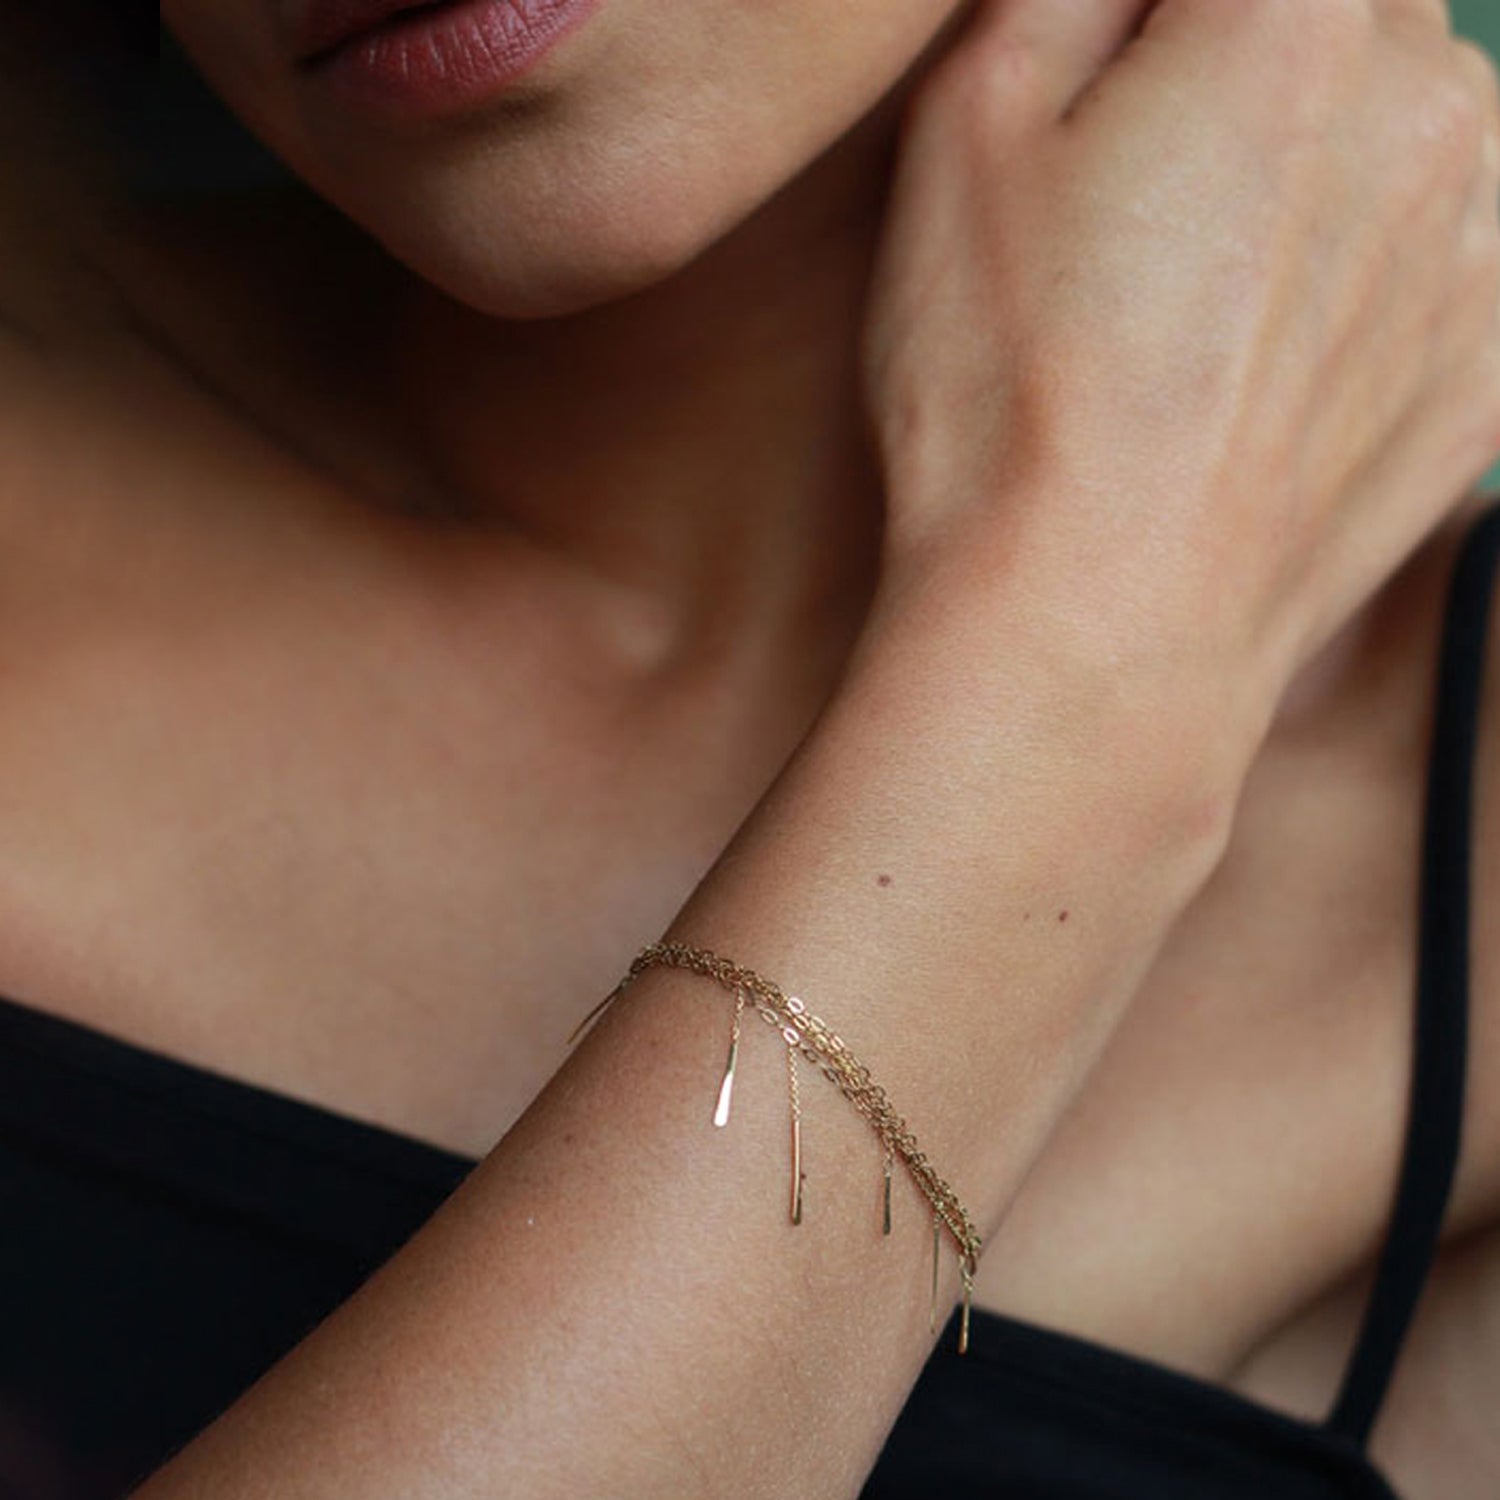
column 423, row 64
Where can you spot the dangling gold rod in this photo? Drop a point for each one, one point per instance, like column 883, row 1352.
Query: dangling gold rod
column 726, row 1088
column 791, row 1073
column 937, row 1229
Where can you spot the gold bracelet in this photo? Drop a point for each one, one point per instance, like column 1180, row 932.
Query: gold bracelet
column 804, row 1032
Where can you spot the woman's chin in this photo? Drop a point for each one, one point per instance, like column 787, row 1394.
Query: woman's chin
column 573, row 269
column 538, row 289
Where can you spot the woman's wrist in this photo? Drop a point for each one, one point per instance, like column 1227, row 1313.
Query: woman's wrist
column 974, row 850
column 1162, row 714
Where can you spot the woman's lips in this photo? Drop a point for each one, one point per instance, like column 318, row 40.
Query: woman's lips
column 322, row 25
column 406, row 60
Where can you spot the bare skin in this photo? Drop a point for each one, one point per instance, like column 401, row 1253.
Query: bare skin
column 227, row 875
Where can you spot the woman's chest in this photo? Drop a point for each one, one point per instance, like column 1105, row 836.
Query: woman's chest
column 353, row 902
column 311, row 871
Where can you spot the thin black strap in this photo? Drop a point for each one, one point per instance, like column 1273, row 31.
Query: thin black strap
column 1436, row 1103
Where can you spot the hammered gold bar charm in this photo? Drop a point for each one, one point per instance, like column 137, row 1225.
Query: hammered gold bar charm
column 578, row 1029
column 790, row 1035
column 802, row 1031
column 963, row 1325
column 796, row 1169
column 726, row 1088
column 936, row 1235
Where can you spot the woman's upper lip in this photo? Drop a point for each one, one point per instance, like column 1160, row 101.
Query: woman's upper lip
column 318, row 27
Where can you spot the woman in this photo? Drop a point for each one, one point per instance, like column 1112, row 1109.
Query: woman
column 949, row 506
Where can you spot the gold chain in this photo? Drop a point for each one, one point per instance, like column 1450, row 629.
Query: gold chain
column 820, row 1044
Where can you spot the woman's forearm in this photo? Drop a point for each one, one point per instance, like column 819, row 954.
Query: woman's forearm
column 965, row 869
column 1184, row 296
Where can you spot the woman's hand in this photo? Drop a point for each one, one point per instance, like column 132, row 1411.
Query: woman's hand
column 1185, row 326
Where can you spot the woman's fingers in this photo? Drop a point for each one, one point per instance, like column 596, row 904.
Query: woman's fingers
column 1041, row 54
column 1215, row 315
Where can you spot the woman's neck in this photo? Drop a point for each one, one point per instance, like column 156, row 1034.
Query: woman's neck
column 699, row 448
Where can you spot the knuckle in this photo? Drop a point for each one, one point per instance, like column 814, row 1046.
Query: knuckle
column 1004, row 72
column 1471, row 287
column 1336, row 15
column 1452, row 110
column 1324, row 47
column 1344, row 17
column 972, row 85
column 1477, row 67
column 1331, row 26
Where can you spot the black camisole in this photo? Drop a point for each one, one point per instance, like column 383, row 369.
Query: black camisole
column 167, row 1233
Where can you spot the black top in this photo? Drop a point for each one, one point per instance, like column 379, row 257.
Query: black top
column 169, row 1233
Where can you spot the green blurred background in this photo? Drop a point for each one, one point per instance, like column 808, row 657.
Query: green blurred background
column 1480, row 19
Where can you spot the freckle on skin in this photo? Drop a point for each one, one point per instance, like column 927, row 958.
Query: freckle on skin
column 882, row 880
column 1062, row 916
